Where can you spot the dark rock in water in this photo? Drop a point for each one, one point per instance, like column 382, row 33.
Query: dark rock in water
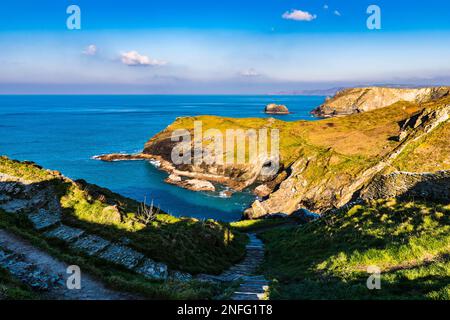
column 276, row 109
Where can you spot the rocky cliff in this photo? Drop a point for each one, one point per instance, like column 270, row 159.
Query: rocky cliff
column 350, row 101
column 322, row 164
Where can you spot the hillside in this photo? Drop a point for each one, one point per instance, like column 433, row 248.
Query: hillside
column 127, row 244
column 329, row 259
column 323, row 164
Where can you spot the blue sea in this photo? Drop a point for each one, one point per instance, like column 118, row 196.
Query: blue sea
column 64, row 132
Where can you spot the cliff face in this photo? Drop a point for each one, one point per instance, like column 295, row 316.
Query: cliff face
column 212, row 167
column 350, row 101
column 323, row 164
column 336, row 187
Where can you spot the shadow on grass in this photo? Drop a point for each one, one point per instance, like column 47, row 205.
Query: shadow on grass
column 328, row 259
column 183, row 244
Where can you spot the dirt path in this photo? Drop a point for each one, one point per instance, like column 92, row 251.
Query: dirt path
column 40, row 270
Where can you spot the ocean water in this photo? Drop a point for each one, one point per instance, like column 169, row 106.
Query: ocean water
column 64, row 132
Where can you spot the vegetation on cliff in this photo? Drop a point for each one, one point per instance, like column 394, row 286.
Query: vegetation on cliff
column 324, row 163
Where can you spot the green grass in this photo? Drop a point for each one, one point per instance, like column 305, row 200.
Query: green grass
column 429, row 154
column 328, row 259
column 113, row 276
column 261, row 224
column 184, row 244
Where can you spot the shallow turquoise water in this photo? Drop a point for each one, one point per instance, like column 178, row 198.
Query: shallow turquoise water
column 64, row 132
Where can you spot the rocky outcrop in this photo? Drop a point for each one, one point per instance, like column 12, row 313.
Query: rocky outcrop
column 431, row 186
column 323, row 164
column 276, row 109
column 121, row 157
column 350, row 101
column 336, row 189
column 191, row 184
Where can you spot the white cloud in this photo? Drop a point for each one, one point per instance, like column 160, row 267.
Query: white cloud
column 337, row 13
column 326, row 7
column 298, row 15
column 133, row 58
column 91, row 50
column 249, row 73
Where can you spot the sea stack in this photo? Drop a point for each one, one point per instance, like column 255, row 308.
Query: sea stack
column 276, row 109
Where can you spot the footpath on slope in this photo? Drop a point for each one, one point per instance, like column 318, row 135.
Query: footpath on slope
column 45, row 273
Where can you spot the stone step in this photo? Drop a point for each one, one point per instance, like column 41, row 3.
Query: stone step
column 245, row 296
column 259, row 277
column 253, row 289
column 64, row 233
column 253, row 284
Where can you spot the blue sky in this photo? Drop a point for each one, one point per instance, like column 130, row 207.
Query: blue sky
column 231, row 46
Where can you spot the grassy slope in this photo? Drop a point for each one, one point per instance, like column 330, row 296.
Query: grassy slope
column 184, row 244
column 358, row 137
column 429, row 154
column 328, row 259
